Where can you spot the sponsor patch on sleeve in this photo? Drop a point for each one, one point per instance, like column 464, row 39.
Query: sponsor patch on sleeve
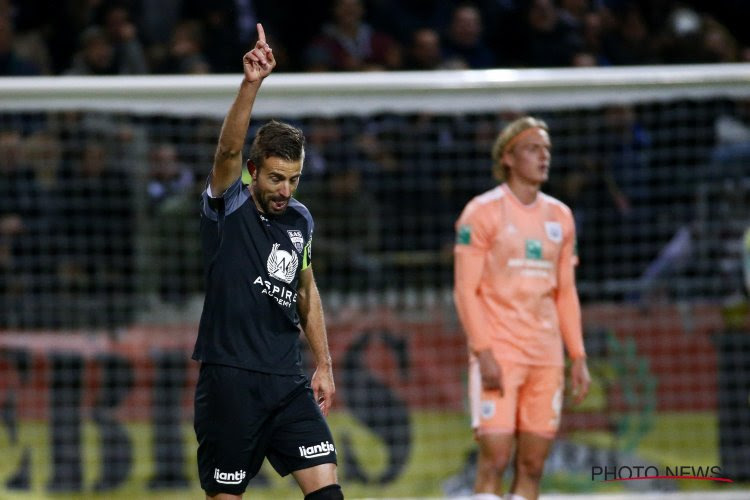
column 463, row 235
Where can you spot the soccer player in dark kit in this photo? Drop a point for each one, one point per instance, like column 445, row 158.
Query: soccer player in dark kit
column 252, row 399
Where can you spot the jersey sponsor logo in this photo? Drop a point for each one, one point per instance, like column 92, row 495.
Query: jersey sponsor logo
column 539, row 268
column 317, row 450
column 297, row 240
column 533, row 249
column 229, row 477
column 281, row 294
column 281, row 264
column 554, row 231
column 463, row 235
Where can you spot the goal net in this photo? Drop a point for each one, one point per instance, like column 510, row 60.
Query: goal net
column 101, row 278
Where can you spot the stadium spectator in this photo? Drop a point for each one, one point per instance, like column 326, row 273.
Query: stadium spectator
column 97, row 267
column 325, row 143
column 592, row 29
column 551, row 40
column 705, row 245
column 576, row 33
column 228, row 28
column 347, row 43
column 19, row 216
column 176, row 249
column 11, row 62
column 156, row 21
column 95, row 56
column 424, row 51
column 402, row 18
column 463, row 45
column 42, row 153
column 719, row 44
column 123, row 35
column 185, row 54
column 516, row 296
column 626, row 39
column 346, row 248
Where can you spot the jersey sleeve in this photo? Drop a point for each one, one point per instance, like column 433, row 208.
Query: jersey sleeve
column 567, row 302
column 473, row 241
column 229, row 201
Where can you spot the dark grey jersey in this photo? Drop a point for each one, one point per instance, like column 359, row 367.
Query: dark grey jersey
column 252, row 266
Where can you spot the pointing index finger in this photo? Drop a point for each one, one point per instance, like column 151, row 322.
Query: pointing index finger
column 261, row 34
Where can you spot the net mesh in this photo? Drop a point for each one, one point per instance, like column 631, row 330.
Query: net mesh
column 101, row 281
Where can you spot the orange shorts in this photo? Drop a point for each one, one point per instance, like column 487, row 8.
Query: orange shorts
column 532, row 400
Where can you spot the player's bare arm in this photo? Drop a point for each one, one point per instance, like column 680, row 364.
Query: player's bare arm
column 580, row 379
column 258, row 63
column 310, row 310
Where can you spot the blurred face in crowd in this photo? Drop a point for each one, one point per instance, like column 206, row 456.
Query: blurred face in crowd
column 542, row 15
column 576, row 7
column 466, row 25
column 274, row 184
column 10, row 150
column 94, row 160
column 426, row 48
column 6, row 35
column 98, row 53
column 528, row 157
column 164, row 165
column 348, row 13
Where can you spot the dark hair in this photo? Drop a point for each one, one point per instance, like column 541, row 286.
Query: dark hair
column 277, row 139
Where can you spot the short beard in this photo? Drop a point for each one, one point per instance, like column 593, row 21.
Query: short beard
column 265, row 204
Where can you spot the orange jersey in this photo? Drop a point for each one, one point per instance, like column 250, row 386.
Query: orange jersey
column 514, row 278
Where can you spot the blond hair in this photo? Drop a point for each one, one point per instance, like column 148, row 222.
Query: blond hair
column 504, row 139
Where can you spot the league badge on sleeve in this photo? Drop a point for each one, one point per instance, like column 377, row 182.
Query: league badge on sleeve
column 463, row 235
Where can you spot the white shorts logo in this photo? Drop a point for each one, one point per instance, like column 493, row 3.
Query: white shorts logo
column 229, row 477
column 487, row 409
column 281, row 264
column 318, row 450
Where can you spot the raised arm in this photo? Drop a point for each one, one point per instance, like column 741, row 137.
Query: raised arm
column 310, row 310
column 258, row 64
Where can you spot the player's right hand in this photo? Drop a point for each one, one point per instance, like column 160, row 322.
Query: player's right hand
column 259, row 62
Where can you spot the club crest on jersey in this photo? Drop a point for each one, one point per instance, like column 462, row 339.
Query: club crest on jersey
column 281, row 264
column 554, row 231
column 297, row 240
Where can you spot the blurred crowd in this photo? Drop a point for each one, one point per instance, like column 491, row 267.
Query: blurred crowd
column 98, row 211
column 125, row 37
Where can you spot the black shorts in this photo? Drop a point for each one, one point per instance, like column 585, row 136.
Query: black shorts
column 242, row 416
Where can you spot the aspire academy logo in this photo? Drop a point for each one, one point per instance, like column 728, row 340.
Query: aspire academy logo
column 609, row 473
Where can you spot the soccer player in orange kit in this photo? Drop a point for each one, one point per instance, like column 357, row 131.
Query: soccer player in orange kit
column 516, row 297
